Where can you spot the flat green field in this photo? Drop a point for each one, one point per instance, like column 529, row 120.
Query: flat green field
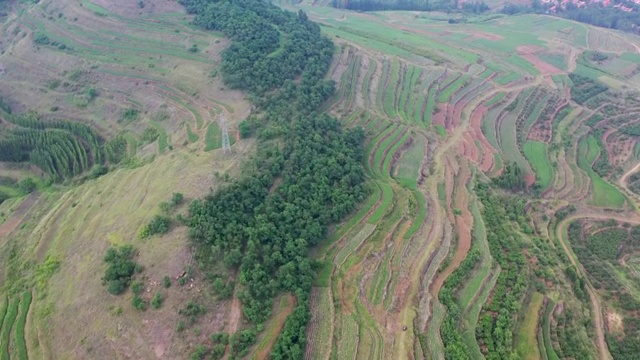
column 537, row 154
column 604, row 194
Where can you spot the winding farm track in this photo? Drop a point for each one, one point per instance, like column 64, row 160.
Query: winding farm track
column 596, row 306
column 622, row 182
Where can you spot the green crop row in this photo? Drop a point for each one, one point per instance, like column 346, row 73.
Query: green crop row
column 347, row 348
column 454, row 86
column 22, row 319
column 390, row 91
column 7, row 325
column 353, row 243
column 367, row 82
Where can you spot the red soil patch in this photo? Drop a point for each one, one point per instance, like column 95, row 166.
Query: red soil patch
column 529, row 49
column 487, row 150
column 468, row 148
column 234, row 315
column 629, row 71
column 440, row 114
column 528, row 52
column 463, row 223
column 543, row 67
column 486, row 36
column 530, row 179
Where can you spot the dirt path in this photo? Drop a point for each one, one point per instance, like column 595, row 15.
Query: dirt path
column 623, row 179
column 234, row 315
column 596, row 306
column 572, row 61
column 278, row 321
column 626, row 41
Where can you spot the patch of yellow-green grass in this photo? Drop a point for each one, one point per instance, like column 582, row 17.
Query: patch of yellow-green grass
column 370, row 344
column 353, row 243
column 434, row 344
column 441, row 131
column 348, row 343
column 193, row 137
column 319, row 335
column 546, row 332
column 526, row 342
column 213, row 139
column 163, row 138
column 4, row 305
column 409, row 164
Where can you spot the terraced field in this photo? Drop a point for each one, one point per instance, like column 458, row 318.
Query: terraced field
column 436, row 128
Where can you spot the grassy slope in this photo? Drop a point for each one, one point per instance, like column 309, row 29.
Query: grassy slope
column 83, row 221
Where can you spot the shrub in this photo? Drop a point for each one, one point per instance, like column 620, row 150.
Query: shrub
column 120, row 270
column 166, row 281
column 137, row 287
column 129, row 115
column 27, row 185
column 220, row 338
column 138, row 302
column 41, row 39
column 180, row 326
column 177, row 199
column 199, row 352
column 192, row 311
column 98, row 171
column 157, row 300
column 245, row 129
column 217, row 352
column 158, row 225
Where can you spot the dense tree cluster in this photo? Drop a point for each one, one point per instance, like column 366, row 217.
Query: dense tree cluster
column 511, row 178
column 594, row 13
column 608, row 17
column 454, row 346
column 496, row 324
column 265, row 223
column 601, row 166
column 62, row 149
column 584, row 88
column 412, row 5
